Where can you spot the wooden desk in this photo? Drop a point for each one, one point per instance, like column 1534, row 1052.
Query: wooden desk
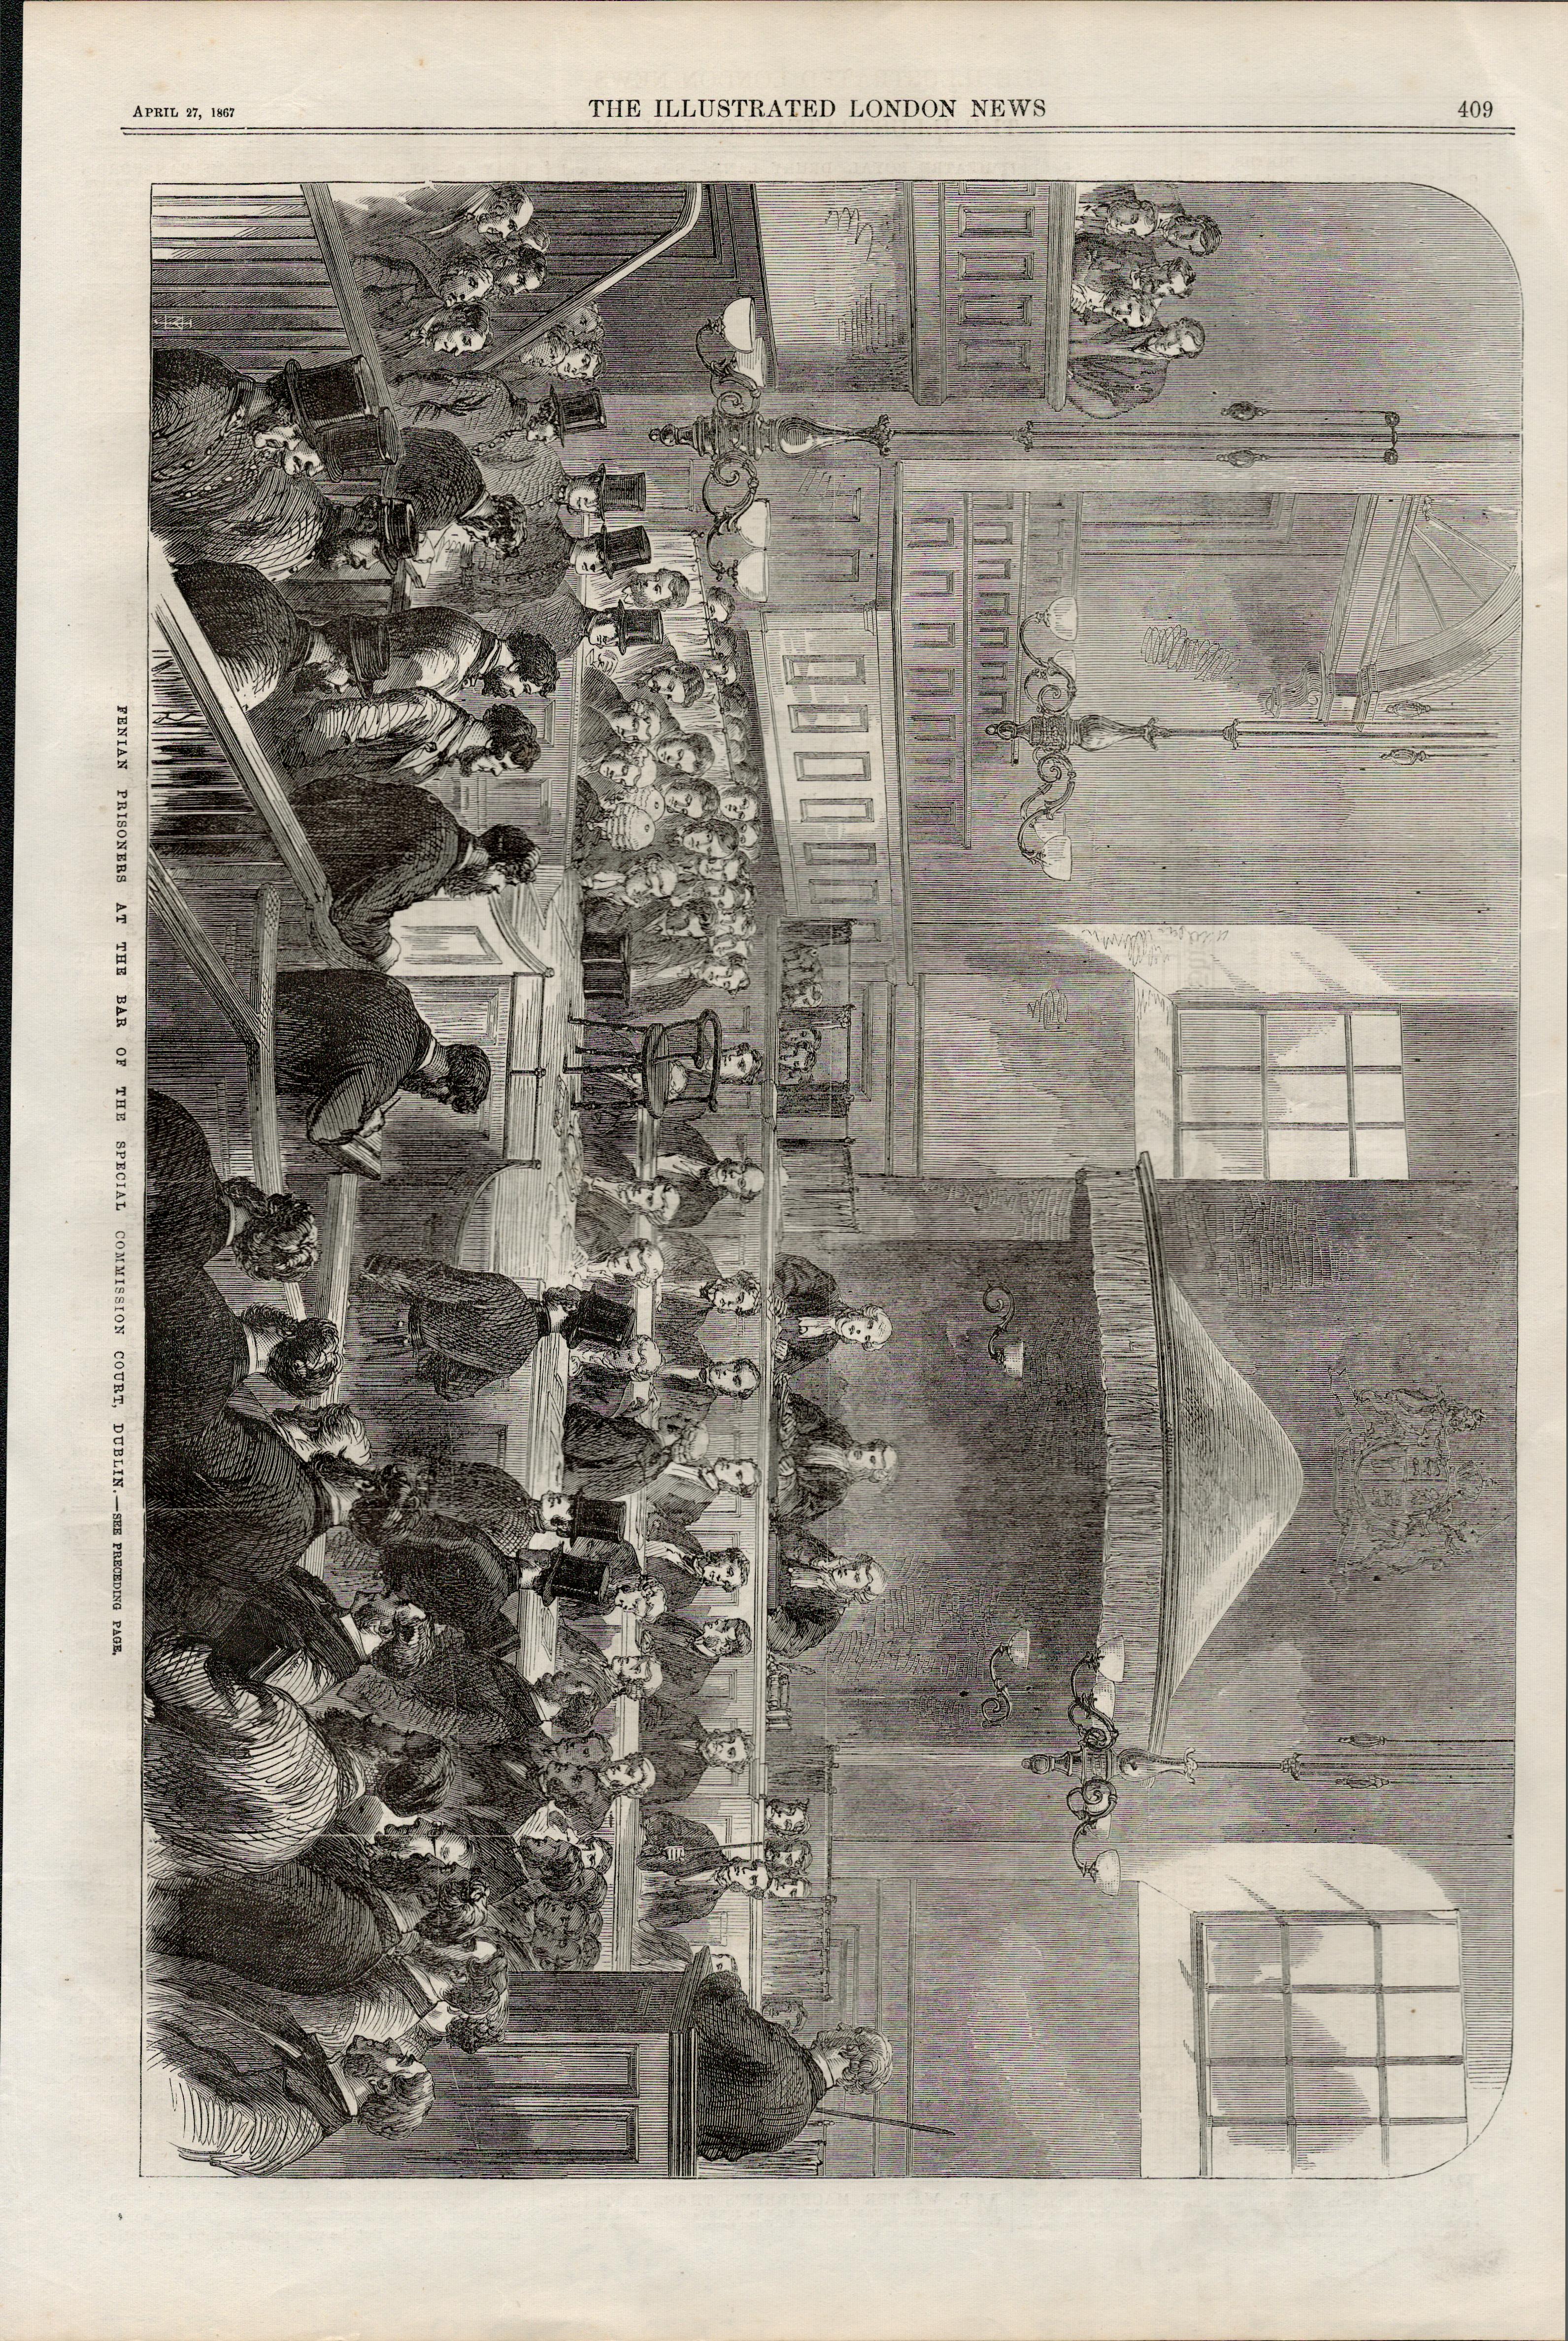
column 597, row 2075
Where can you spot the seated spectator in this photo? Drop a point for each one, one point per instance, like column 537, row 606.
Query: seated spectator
column 677, row 681
column 809, row 1322
column 675, row 1559
column 702, row 1178
column 684, row 1391
column 683, row 1900
column 693, row 1295
column 676, row 1845
column 235, row 2082
column 818, row 1460
column 689, row 754
column 1122, row 212
column 688, row 1650
column 583, row 1682
column 614, row 1457
column 192, row 1215
column 408, row 2003
column 798, row 1050
column 652, row 1199
column 1106, row 286
column 1119, row 368
column 814, row 1590
column 486, row 414
column 592, row 1576
column 639, row 1262
column 682, row 1749
column 578, row 1775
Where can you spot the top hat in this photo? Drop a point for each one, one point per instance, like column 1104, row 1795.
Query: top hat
column 600, row 1316
column 358, row 446
column 575, row 409
column 621, row 549
column 597, row 1516
column 585, row 1573
column 621, row 491
column 397, row 529
column 369, row 649
column 324, row 393
column 638, row 629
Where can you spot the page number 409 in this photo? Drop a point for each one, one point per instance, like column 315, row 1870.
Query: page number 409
column 1475, row 109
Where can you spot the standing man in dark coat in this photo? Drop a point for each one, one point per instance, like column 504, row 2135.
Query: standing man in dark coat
column 468, row 1327
column 198, row 1353
column 192, row 1215
column 351, row 1042
column 757, row 2087
column 386, row 845
column 432, row 648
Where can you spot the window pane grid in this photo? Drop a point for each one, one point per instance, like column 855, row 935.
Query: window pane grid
column 1264, row 2132
column 1282, row 1093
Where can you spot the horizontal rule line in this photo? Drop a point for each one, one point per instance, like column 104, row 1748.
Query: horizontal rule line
column 679, row 129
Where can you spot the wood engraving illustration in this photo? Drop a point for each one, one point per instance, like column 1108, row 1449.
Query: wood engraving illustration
column 831, row 1179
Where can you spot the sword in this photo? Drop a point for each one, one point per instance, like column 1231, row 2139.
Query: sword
column 887, row 2121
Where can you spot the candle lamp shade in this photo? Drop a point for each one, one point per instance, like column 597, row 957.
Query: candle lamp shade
column 740, row 323
column 752, row 575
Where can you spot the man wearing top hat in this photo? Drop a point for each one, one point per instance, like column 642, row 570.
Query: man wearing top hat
column 438, row 475
column 562, row 621
column 544, row 554
column 589, row 496
column 624, row 576
column 433, row 648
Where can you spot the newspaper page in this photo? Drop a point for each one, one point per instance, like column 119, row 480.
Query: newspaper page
column 786, row 1403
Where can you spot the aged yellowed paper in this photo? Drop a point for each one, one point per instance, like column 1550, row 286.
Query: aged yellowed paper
column 786, row 1392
